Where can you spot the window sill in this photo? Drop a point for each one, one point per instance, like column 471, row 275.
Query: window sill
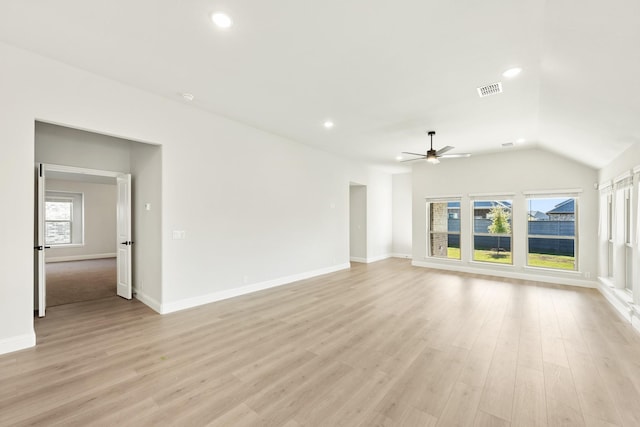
column 70, row 245
column 435, row 258
column 553, row 270
column 492, row 264
column 624, row 295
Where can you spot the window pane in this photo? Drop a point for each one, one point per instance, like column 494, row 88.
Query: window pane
column 492, row 231
column 552, row 253
column 58, row 211
column 552, row 217
column 57, row 233
column 444, row 245
column 492, row 249
column 444, row 229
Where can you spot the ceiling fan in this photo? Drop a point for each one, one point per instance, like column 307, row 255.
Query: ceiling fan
column 433, row 156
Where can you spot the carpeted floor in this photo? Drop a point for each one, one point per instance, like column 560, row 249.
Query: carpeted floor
column 75, row 281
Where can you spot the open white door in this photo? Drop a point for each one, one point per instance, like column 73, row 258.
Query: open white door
column 124, row 236
column 40, row 274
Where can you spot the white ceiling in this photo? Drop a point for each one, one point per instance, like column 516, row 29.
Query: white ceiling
column 384, row 71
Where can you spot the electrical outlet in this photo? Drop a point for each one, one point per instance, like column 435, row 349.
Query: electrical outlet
column 587, row 275
column 245, row 279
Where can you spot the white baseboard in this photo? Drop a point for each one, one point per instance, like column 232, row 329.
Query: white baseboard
column 378, row 258
column 635, row 319
column 406, row 256
column 79, row 257
column 148, row 301
column 509, row 274
column 370, row 260
column 620, row 301
column 20, row 342
column 230, row 293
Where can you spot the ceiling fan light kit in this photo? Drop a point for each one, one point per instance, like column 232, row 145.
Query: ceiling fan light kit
column 434, row 156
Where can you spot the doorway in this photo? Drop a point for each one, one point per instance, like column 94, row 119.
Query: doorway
column 357, row 222
column 83, row 235
column 92, row 155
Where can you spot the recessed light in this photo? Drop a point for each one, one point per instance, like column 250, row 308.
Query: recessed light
column 187, row 96
column 222, row 20
column 521, row 140
column 398, row 157
column 512, row 72
column 328, row 124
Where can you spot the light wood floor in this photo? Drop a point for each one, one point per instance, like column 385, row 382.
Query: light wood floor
column 380, row 345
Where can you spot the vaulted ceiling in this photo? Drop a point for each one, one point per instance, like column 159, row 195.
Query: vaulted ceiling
column 383, row 71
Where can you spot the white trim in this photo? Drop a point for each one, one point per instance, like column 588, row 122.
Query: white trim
column 635, row 317
column 443, row 198
column 636, row 169
column 499, row 196
column 79, row 257
column 230, row 293
column 19, row 342
column 378, row 258
column 147, row 300
column 542, row 193
column 606, row 187
column 619, row 301
column 622, row 177
column 508, row 273
column 370, row 260
column 66, row 245
column 81, row 171
column 397, row 255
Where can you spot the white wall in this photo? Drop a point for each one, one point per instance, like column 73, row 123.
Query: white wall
column 358, row 223
column 99, row 221
column 511, row 172
column 259, row 221
column 146, row 171
column 402, row 215
column 61, row 145
column 379, row 216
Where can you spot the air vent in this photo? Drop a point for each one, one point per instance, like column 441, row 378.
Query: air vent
column 492, row 89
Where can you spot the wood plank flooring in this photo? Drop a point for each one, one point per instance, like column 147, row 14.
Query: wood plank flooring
column 383, row 344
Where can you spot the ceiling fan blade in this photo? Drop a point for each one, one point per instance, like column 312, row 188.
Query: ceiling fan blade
column 455, row 156
column 444, row 150
column 414, row 154
column 411, row 160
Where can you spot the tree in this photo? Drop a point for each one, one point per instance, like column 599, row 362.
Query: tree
column 499, row 223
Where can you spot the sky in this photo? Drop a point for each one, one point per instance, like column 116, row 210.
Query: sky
column 543, row 205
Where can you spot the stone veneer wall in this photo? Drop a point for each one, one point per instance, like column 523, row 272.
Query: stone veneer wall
column 439, row 226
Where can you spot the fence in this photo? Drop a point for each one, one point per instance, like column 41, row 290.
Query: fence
column 536, row 245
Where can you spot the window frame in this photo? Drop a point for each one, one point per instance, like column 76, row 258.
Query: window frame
column 491, row 198
column 76, row 224
column 543, row 236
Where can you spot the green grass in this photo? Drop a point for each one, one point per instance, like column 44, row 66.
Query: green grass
column 453, row 253
column 492, row 256
column 561, row 262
